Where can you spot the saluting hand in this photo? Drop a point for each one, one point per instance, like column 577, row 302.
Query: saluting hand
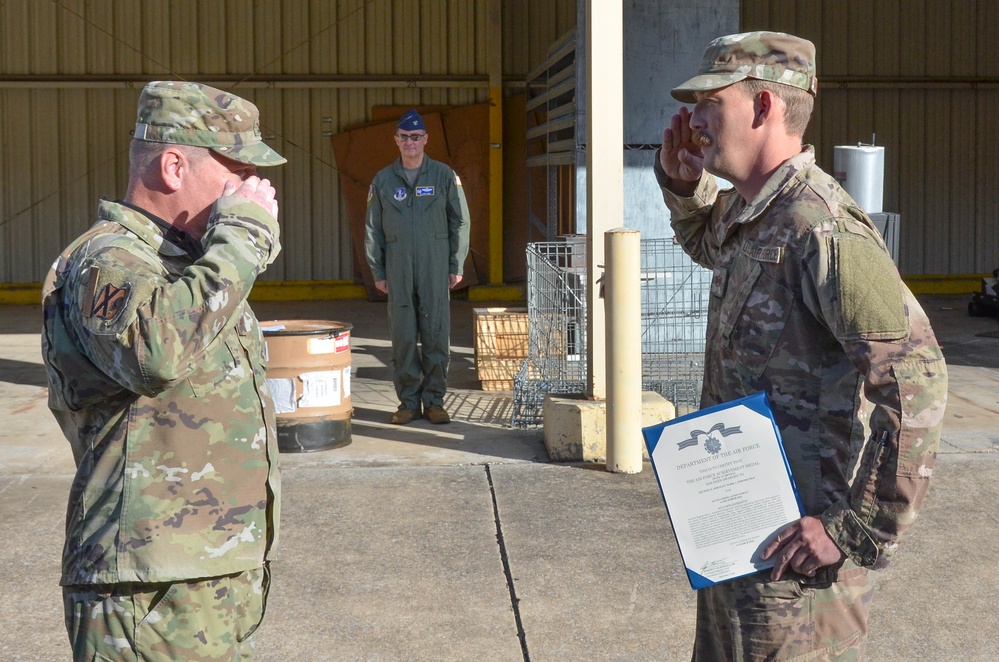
column 681, row 157
column 256, row 189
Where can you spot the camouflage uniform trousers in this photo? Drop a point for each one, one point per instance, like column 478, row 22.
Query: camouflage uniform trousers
column 209, row 619
column 752, row 618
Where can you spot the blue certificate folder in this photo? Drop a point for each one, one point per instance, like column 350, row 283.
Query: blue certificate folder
column 726, row 474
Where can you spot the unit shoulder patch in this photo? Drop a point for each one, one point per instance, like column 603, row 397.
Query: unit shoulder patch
column 108, row 302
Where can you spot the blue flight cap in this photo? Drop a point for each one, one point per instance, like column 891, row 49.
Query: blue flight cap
column 411, row 121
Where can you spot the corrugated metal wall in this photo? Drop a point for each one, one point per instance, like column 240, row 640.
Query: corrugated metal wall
column 71, row 71
column 923, row 75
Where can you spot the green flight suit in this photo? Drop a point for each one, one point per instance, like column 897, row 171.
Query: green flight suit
column 415, row 236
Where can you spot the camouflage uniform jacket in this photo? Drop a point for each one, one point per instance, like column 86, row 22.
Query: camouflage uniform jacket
column 807, row 306
column 156, row 375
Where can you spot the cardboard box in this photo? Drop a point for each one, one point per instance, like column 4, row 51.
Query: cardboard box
column 501, row 344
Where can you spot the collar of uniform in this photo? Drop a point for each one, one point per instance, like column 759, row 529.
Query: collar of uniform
column 401, row 172
column 778, row 182
column 167, row 239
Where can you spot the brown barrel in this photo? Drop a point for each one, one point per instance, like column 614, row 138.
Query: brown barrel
column 308, row 375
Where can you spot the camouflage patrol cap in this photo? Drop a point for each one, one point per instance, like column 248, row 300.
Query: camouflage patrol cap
column 183, row 113
column 773, row 56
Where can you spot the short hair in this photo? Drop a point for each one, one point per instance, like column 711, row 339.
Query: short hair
column 143, row 155
column 798, row 103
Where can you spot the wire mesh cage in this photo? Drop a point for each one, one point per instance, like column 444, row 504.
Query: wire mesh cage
column 556, row 320
column 674, row 296
column 675, row 293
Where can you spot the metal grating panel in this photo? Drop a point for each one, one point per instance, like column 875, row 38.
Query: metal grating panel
column 674, row 296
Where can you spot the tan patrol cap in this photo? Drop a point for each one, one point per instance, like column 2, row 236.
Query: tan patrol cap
column 774, row 56
column 183, row 113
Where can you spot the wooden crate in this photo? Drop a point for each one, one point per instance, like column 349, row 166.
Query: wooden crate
column 500, row 339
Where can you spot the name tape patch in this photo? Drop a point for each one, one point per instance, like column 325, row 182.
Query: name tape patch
column 424, row 190
column 763, row 252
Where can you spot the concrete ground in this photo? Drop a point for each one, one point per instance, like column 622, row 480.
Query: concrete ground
column 462, row 542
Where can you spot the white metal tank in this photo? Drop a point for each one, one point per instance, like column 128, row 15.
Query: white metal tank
column 860, row 170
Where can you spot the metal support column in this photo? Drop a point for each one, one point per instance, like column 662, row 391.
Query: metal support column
column 622, row 287
column 604, row 164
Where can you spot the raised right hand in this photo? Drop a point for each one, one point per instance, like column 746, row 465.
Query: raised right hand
column 235, row 207
column 255, row 189
column 681, row 157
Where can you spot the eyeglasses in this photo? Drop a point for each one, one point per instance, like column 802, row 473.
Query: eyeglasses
column 415, row 137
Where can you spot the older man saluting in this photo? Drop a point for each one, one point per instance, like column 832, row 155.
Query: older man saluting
column 155, row 365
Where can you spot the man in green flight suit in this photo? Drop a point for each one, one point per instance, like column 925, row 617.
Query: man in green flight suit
column 416, row 241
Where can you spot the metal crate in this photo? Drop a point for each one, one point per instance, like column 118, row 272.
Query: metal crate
column 674, row 295
column 556, row 320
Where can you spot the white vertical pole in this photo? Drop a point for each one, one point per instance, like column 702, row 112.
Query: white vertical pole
column 604, row 59
column 624, row 350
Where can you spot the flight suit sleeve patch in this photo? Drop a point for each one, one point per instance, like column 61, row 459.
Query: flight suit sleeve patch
column 870, row 291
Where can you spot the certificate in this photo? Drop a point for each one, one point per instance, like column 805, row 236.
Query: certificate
column 727, row 486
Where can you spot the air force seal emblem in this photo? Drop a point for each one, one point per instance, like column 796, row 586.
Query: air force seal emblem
column 400, row 194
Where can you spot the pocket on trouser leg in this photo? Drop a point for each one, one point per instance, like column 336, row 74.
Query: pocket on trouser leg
column 841, row 612
column 785, row 621
column 170, row 624
column 210, row 619
column 100, row 625
column 772, row 620
column 250, row 592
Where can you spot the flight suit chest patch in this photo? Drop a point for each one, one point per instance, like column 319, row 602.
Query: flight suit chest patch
column 400, row 194
column 424, row 190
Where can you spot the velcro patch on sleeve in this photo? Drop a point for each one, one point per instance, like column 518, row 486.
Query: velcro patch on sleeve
column 870, row 290
column 109, row 302
column 109, row 294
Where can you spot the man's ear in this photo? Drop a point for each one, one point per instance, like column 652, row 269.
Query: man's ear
column 173, row 166
column 764, row 107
